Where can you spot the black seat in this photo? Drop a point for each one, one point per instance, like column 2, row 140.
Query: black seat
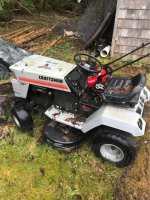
column 123, row 90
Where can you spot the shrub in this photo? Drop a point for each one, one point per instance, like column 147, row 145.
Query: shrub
column 3, row 2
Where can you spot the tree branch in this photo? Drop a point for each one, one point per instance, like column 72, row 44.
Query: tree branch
column 25, row 8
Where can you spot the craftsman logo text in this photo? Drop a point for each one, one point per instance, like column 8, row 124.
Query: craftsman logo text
column 50, row 79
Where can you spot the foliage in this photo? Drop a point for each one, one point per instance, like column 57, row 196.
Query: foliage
column 5, row 15
column 29, row 4
column 6, row 4
column 3, row 2
column 42, row 4
column 59, row 4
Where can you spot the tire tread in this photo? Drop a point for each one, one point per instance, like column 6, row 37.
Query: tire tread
column 121, row 138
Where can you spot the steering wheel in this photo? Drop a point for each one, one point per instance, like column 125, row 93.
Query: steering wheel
column 88, row 62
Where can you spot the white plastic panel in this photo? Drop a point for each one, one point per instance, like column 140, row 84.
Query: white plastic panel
column 116, row 117
column 20, row 89
column 43, row 71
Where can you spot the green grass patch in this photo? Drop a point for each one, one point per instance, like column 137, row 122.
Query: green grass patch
column 32, row 171
column 64, row 50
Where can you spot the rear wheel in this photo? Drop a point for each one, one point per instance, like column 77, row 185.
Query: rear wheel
column 115, row 146
column 111, row 152
column 22, row 117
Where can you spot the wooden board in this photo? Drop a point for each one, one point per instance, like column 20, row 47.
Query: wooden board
column 135, row 4
column 134, row 14
column 125, row 49
column 127, row 41
column 134, row 24
column 145, row 60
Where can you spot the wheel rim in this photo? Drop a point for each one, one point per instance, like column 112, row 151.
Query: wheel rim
column 16, row 121
column 111, row 152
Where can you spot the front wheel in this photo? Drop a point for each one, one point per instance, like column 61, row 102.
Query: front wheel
column 115, row 146
column 21, row 117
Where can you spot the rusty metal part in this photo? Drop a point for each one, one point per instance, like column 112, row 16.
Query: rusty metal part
column 76, row 120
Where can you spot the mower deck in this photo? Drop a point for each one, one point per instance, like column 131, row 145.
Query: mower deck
column 61, row 137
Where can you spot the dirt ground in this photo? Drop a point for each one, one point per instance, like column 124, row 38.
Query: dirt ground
column 134, row 183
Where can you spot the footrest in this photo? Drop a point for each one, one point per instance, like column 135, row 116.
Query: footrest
column 66, row 118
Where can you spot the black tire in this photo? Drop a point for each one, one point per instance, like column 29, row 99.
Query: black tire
column 22, row 117
column 115, row 146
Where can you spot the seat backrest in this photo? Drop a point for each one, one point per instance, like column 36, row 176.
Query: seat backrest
column 139, row 81
column 122, row 90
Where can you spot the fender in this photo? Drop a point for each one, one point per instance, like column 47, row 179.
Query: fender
column 120, row 117
column 124, row 119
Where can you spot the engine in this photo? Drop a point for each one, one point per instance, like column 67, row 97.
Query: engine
column 40, row 96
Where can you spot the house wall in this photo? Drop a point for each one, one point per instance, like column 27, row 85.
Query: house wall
column 132, row 27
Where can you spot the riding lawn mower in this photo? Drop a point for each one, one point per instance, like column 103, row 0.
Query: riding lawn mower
column 82, row 100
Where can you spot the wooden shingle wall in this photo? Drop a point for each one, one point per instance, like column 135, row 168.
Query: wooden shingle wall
column 132, row 27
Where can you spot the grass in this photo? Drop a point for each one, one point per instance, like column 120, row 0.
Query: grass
column 30, row 171
column 63, row 51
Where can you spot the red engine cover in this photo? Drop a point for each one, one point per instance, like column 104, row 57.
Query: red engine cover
column 92, row 80
column 104, row 78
